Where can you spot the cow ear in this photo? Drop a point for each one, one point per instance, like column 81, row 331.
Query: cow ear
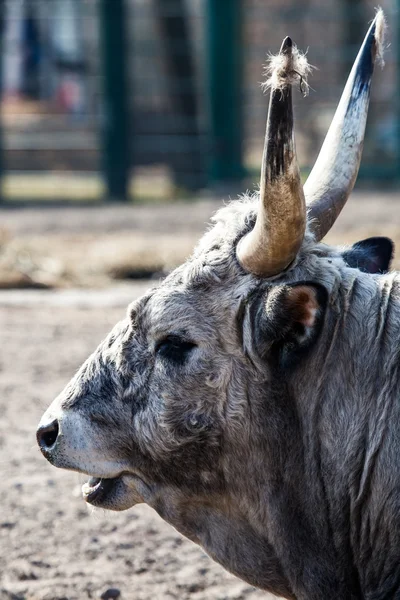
column 372, row 255
column 291, row 319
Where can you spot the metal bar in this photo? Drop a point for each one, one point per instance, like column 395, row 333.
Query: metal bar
column 2, row 27
column 116, row 134
column 224, row 89
column 397, row 99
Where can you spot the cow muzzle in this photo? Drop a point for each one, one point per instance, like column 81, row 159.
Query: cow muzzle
column 68, row 440
column 46, row 435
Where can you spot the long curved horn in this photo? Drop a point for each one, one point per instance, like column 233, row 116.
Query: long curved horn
column 279, row 230
column 335, row 171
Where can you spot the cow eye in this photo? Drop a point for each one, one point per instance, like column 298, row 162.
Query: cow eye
column 174, row 348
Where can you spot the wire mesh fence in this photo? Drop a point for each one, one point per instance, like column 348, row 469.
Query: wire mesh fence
column 195, row 112
column 331, row 33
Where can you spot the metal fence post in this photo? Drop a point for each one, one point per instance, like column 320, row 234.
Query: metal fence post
column 2, row 28
column 224, row 30
column 397, row 58
column 116, row 130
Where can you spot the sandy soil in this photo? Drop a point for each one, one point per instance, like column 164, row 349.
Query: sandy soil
column 51, row 546
column 93, row 246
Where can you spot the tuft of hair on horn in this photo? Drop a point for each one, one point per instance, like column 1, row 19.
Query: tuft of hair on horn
column 380, row 31
column 286, row 69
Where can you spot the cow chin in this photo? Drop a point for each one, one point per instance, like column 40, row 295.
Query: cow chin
column 118, row 493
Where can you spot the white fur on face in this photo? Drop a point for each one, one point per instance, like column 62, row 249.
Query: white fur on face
column 79, row 446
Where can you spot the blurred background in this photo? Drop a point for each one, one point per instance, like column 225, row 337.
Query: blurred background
column 128, row 99
column 147, row 102
column 124, row 124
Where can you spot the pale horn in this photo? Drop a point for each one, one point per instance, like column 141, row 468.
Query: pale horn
column 274, row 242
column 335, row 171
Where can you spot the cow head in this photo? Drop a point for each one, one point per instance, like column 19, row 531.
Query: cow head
column 189, row 404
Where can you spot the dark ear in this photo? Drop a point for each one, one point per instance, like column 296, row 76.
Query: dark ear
column 372, row 255
column 288, row 321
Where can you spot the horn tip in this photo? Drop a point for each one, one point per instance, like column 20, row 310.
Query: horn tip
column 378, row 29
column 371, row 51
column 287, row 67
column 287, row 45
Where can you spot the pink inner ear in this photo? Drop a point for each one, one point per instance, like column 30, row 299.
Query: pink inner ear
column 304, row 304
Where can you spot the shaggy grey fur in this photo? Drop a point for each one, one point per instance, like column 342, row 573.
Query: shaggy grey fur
column 271, row 443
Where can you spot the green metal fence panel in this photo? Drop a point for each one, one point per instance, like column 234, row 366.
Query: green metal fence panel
column 225, row 65
column 115, row 134
column 322, row 29
column 167, row 55
column 1, row 93
column 396, row 25
column 189, row 107
column 174, row 27
column 53, row 126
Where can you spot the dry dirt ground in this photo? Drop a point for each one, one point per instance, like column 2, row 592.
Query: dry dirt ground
column 52, row 546
column 96, row 246
column 92, row 246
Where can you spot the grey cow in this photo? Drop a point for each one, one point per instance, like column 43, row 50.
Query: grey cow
column 253, row 397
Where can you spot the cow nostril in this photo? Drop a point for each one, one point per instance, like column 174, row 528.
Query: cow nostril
column 47, row 435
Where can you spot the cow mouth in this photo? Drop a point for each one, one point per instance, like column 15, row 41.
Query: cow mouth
column 97, row 488
column 117, row 493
